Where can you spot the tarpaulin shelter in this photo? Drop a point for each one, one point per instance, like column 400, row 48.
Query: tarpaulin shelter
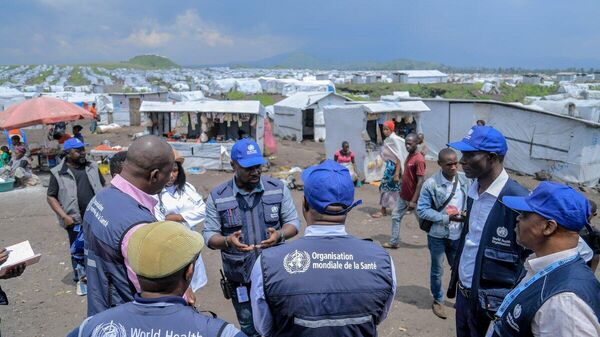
column 300, row 116
column 349, row 122
column 566, row 147
column 41, row 110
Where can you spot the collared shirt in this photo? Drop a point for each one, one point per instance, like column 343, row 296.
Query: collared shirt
column 457, row 201
column 480, row 210
column 143, row 199
column 563, row 314
column 212, row 225
column 189, row 204
column 261, row 314
column 186, row 202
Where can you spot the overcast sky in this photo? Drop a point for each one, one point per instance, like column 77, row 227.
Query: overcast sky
column 542, row 33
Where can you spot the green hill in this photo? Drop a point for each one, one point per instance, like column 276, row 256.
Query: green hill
column 152, row 62
column 144, row 62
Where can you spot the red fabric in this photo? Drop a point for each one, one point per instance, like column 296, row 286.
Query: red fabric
column 64, row 138
column 414, row 167
column 41, row 110
column 344, row 159
column 270, row 142
column 390, row 125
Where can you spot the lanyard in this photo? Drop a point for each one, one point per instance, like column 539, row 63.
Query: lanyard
column 518, row 290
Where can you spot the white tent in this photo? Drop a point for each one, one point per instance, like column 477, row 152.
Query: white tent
column 301, row 115
column 9, row 96
column 307, row 86
column 222, row 86
column 184, row 96
column 349, row 123
column 213, row 156
column 566, row 147
column 249, row 86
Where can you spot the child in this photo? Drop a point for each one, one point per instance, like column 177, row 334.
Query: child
column 5, row 156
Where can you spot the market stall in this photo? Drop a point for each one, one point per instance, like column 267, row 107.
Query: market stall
column 42, row 111
column 204, row 131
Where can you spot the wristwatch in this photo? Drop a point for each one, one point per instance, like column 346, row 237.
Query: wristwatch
column 281, row 236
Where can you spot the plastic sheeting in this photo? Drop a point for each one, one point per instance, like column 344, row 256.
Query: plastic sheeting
column 10, row 96
column 568, row 148
column 288, row 114
column 249, row 86
column 210, row 156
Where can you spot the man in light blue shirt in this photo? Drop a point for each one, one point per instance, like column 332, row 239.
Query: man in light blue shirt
column 245, row 216
column 327, row 283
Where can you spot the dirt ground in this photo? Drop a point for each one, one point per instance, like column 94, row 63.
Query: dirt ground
column 43, row 300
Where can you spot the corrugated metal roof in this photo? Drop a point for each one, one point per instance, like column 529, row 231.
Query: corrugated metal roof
column 248, row 107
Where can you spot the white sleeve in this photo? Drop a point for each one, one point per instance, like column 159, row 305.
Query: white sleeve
column 261, row 315
column 390, row 300
column 193, row 208
column 565, row 314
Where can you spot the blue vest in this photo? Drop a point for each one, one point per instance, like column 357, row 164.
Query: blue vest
column 574, row 277
column 326, row 286
column 499, row 261
column 110, row 214
column 253, row 220
column 168, row 317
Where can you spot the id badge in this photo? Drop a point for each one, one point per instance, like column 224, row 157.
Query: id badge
column 242, row 294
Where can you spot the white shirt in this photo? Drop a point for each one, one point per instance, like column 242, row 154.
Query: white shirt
column 480, row 210
column 584, row 250
column 457, row 201
column 261, row 314
column 191, row 207
column 187, row 203
column 564, row 314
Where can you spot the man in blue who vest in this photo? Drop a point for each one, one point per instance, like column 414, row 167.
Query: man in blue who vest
column 163, row 256
column 114, row 214
column 327, row 283
column 245, row 215
column 489, row 260
column 559, row 295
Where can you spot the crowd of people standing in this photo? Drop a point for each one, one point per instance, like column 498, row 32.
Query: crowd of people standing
column 516, row 257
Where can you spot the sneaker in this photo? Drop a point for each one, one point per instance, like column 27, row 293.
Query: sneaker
column 81, row 288
column 439, row 310
column 390, row 245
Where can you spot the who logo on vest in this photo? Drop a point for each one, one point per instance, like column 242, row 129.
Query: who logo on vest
column 296, row 262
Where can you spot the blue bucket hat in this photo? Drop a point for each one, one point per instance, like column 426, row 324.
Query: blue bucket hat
column 482, row 138
column 554, row 201
column 329, row 183
column 247, row 153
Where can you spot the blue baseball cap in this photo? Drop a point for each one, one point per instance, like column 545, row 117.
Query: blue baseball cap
column 554, row 201
column 247, row 153
column 482, row 138
column 329, row 183
column 73, row 143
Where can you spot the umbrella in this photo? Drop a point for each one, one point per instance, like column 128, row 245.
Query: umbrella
column 41, row 110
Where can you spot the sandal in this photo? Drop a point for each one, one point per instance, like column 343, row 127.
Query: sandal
column 377, row 215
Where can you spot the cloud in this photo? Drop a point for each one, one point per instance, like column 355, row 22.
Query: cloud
column 190, row 25
column 150, row 39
